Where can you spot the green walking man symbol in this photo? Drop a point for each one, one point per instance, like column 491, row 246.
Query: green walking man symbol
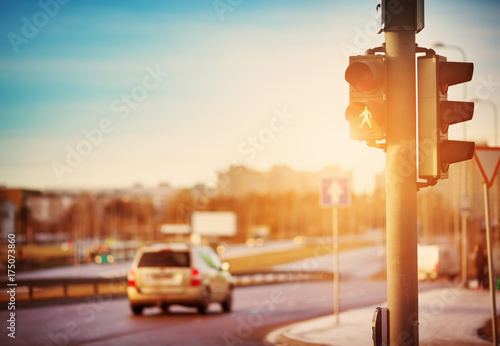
column 366, row 117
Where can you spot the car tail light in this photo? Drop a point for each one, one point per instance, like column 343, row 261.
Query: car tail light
column 131, row 278
column 195, row 277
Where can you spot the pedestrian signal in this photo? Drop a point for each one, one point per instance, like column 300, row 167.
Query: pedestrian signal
column 366, row 112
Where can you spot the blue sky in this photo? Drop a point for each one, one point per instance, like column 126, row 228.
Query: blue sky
column 201, row 84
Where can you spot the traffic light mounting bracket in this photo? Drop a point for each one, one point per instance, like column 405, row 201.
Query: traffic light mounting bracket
column 375, row 144
column 379, row 49
column 428, row 182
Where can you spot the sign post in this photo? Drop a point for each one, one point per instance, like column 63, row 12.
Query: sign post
column 335, row 192
column 488, row 161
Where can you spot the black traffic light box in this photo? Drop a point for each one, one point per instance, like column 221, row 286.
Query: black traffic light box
column 436, row 113
column 366, row 112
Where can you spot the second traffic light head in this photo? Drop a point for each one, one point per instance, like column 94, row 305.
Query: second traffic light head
column 436, row 113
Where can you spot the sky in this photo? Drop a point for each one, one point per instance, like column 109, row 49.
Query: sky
column 107, row 94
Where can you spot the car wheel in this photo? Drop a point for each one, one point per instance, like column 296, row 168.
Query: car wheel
column 227, row 304
column 205, row 300
column 137, row 310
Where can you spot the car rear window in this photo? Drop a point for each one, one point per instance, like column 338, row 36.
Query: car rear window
column 164, row 259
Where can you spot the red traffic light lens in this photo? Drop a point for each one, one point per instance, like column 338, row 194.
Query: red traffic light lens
column 362, row 77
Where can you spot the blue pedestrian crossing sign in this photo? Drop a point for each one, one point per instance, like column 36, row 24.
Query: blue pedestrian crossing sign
column 335, row 192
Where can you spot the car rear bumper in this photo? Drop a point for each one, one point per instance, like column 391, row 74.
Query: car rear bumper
column 191, row 296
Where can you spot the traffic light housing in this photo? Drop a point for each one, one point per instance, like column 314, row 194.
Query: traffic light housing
column 436, row 113
column 366, row 112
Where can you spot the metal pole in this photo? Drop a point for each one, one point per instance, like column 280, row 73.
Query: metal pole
column 495, row 127
column 401, row 175
column 491, row 273
column 465, row 247
column 336, row 279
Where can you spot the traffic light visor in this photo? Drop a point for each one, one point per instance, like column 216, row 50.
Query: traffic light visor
column 364, row 76
column 452, row 73
column 456, row 151
column 455, row 112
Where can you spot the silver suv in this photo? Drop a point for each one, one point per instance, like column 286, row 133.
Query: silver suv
column 190, row 275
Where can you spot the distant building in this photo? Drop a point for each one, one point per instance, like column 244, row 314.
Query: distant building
column 7, row 218
column 238, row 181
column 15, row 213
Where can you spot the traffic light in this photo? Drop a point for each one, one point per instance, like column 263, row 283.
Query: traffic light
column 436, row 113
column 366, row 111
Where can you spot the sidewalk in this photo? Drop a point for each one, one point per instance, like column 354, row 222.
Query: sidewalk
column 447, row 316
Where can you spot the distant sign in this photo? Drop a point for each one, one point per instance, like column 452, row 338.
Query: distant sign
column 335, row 192
column 488, row 161
column 175, row 228
column 214, row 223
column 464, row 204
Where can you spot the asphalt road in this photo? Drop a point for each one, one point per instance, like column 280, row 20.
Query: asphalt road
column 257, row 311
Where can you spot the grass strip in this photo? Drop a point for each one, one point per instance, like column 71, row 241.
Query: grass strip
column 270, row 259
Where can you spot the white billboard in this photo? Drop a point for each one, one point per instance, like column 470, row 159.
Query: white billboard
column 221, row 223
column 169, row 228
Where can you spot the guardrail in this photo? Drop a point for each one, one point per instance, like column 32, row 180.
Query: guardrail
column 29, row 286
column 29, row 291
column 252, row 278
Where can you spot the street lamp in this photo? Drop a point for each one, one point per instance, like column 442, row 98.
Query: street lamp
column 495, row 114
column 442, row 45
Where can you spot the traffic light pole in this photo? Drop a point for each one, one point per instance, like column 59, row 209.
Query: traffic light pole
column 401, row 177
column 382, row 106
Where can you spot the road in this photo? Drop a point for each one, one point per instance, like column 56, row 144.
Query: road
column 258, row 310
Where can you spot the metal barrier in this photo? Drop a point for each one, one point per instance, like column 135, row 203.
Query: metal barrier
column 241, row 279
column 32, row 284
column 253, row 278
